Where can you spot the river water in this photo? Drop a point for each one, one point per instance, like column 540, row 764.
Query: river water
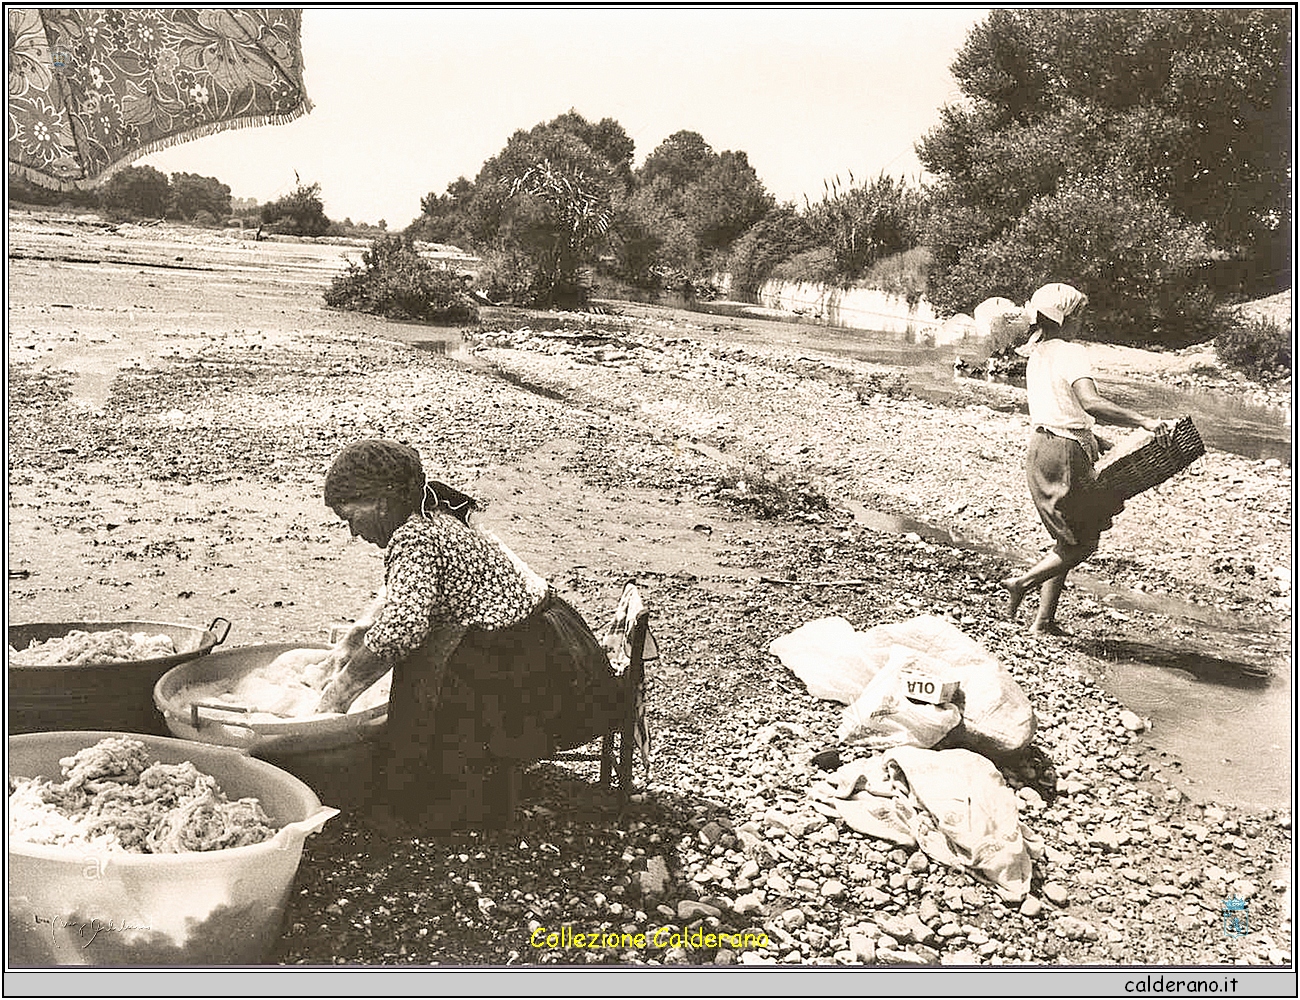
column 1226, row 422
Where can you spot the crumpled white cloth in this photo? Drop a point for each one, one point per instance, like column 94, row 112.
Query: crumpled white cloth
column 952, row 804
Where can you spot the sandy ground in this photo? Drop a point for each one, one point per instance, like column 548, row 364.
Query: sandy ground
column 175, row 396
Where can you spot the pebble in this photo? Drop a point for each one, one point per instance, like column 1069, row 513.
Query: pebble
column 862, row 948
column 748, row 904
column 1057, row 893
column 794, row 918
column 654, row 880
column 918, row 862
column 1108, row 837
column 1031, row 907
column 689, row 909
column 928, row 910
column 1131, row 721
column 833, row 888
column 1074, row 928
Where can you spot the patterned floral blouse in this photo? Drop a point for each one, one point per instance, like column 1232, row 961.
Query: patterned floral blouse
column 439, row 572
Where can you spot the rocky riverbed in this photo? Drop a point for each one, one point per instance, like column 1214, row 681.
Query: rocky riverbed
column 168, row 430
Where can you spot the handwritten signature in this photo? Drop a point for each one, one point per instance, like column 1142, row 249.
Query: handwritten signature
column 90, row 929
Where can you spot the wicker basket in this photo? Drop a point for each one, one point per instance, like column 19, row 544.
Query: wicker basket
column 1129, row 471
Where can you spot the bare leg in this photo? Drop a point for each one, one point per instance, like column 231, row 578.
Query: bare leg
column 1018, row 586
column 1049, row 597
column 1052, row 567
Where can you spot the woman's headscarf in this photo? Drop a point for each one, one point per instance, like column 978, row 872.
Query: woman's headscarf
column 1055, row 302
column 377, row 467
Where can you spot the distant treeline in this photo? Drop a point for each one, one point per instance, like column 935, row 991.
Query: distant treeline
column 1135, row 153
column 1138, row 154
column 146, row 193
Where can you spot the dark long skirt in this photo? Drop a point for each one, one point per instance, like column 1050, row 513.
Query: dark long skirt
column 507, row 696
column 1063, row 485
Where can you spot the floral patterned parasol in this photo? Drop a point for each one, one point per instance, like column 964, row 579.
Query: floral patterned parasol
column 91, row 90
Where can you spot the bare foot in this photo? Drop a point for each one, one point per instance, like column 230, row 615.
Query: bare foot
column 1048, row 628
column 1015, row 594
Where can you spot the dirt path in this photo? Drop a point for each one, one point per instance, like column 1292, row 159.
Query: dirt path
column 168, row 430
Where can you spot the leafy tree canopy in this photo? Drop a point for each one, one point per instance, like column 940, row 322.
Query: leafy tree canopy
column 1180, row 111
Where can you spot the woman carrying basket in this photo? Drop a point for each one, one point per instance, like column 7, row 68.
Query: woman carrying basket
column 490, row 666
column 1063, row 406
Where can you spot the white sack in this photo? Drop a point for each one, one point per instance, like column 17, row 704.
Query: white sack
column 831, row 658
column 952, row 804
column 883, row 717
column 996, row 716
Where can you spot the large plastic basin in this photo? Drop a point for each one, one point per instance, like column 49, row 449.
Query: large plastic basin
column 74, row 906
column 334, row 755
column 58, row 697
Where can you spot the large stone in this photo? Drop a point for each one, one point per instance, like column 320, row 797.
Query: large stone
column 654, row 880
column 1131, row 721
column 895, row 927
column 894, row 956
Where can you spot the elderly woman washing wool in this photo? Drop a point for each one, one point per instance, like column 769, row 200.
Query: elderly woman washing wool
column 489, row 665
column 1064, row 405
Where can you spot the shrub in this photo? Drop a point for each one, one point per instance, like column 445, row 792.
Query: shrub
column 1258, row 348
column 1138, row 263
column 393, row 280
column 300, row 213
column 905, row 274
column 507, row 276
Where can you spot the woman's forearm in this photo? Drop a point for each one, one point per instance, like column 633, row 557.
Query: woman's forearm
column 363, row 668
column 1112, row 413
column 1101, row 408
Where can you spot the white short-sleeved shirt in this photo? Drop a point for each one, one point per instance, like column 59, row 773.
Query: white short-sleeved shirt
column 1054, row 366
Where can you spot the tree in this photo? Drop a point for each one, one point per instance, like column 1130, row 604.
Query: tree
column 1175, row 110
column 137, row 192
column 545, row 202
column 783, row 233
column 446, row 218
column 299, row 213
column 689, row 205
column 191, row 194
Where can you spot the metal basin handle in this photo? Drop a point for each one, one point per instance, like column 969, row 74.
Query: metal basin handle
column 224, row 625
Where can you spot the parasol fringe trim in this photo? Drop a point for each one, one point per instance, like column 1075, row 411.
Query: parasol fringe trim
column 36, row 176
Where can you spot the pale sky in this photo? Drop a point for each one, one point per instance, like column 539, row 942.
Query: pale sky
column 405, row 100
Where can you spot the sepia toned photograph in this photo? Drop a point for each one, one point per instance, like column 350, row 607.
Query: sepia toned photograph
column 760, row 495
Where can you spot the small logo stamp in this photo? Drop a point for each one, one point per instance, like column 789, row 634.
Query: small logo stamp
column 61, row 60
column 1236, row 917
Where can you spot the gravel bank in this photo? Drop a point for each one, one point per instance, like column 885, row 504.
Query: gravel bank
column 187, row 485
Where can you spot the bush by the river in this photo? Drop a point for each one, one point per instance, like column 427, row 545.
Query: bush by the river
column 394, row 281
column 1258, row 347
